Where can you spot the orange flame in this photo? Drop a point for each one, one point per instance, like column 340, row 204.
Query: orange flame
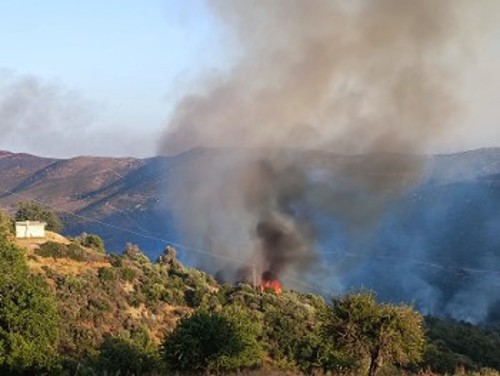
column 273, row 284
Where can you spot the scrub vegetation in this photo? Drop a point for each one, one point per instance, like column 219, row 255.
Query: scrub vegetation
column 73, row 309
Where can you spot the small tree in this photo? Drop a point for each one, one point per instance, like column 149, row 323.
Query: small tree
column 33, row 211
column 376, row 333
column 212, row 342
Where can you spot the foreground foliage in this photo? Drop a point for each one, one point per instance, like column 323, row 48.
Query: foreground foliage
column 28, row 316
column 218, row 342
column 376, row 333
column 80, row 311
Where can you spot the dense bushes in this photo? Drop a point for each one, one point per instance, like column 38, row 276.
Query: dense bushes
column 127, row 356
column 58, row 250
column 28, row 316
column 455, row 344
column 127, row 315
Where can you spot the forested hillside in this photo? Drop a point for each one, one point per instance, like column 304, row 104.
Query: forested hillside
column 68, row 307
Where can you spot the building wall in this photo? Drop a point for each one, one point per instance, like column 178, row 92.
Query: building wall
column 30, row 230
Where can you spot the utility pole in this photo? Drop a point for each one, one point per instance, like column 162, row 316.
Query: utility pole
column 254, row 277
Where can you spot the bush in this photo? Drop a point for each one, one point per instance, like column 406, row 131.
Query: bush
column 28, row 316
column 128, row 274
column 106, row 274
column 213, row 342
column 58, row 250
column 6, row 226
column 92, row 241
column 126, row 357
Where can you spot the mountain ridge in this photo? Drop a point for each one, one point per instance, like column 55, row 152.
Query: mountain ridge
column 126, row 189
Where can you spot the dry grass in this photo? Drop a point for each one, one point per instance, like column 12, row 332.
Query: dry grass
column 63, row 265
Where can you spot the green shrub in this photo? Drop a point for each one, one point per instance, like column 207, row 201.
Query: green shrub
column 128, row 274
column 106, row 274
column 125, row 357
column 91, row 241
column 213, row 342
column 28, row 317
column 6, row 225
column 59, row 250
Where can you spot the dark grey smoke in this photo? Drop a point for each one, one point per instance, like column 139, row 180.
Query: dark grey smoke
column 375, row 77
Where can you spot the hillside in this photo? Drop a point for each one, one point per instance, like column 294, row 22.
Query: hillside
column 116, row 310
column 439, row 239
column 108, row 196
column 125, row 198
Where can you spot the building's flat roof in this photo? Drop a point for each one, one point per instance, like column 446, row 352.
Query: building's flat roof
column 27, row 223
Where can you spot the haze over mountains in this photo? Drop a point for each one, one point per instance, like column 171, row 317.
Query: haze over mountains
column 436, row 244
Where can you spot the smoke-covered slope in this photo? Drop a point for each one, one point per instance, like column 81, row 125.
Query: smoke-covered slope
column 435, row 243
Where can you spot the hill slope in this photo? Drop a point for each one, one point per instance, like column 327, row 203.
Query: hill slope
column 440, row 240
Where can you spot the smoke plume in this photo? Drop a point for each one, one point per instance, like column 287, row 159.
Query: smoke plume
column 39, row 116
column 364, row 77
column 48, row 119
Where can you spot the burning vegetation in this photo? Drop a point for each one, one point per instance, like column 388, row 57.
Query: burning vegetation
column 270, row 282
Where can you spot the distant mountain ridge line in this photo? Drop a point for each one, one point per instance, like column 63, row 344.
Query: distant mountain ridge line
column 125, row 190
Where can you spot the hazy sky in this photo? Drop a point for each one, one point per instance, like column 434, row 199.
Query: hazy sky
column 102, row 76
column 122, row 63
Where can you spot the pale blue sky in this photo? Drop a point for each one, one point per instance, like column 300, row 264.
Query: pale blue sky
column 126, row 61
column 101, row 76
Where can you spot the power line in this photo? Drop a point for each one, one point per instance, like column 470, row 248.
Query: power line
column 414, row 261
column 198, row 250
column 234, row 260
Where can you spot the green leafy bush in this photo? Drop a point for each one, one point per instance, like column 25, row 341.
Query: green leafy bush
column 28, row 317
column 6, row 226
column 213, row 342
column 58, row 250
column 126, row 357
column 128, row 274
column 91, row 241
column 106, row 274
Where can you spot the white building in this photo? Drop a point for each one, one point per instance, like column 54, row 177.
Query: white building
column 30, row 229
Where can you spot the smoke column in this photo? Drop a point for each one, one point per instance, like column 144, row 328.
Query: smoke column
column 376, row 77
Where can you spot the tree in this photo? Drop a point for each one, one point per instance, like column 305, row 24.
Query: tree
column 377, row 332
column 208, row 341
column 33, row 211
column 28, row 316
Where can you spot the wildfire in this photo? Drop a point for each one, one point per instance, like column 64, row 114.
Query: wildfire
column 269, row 281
